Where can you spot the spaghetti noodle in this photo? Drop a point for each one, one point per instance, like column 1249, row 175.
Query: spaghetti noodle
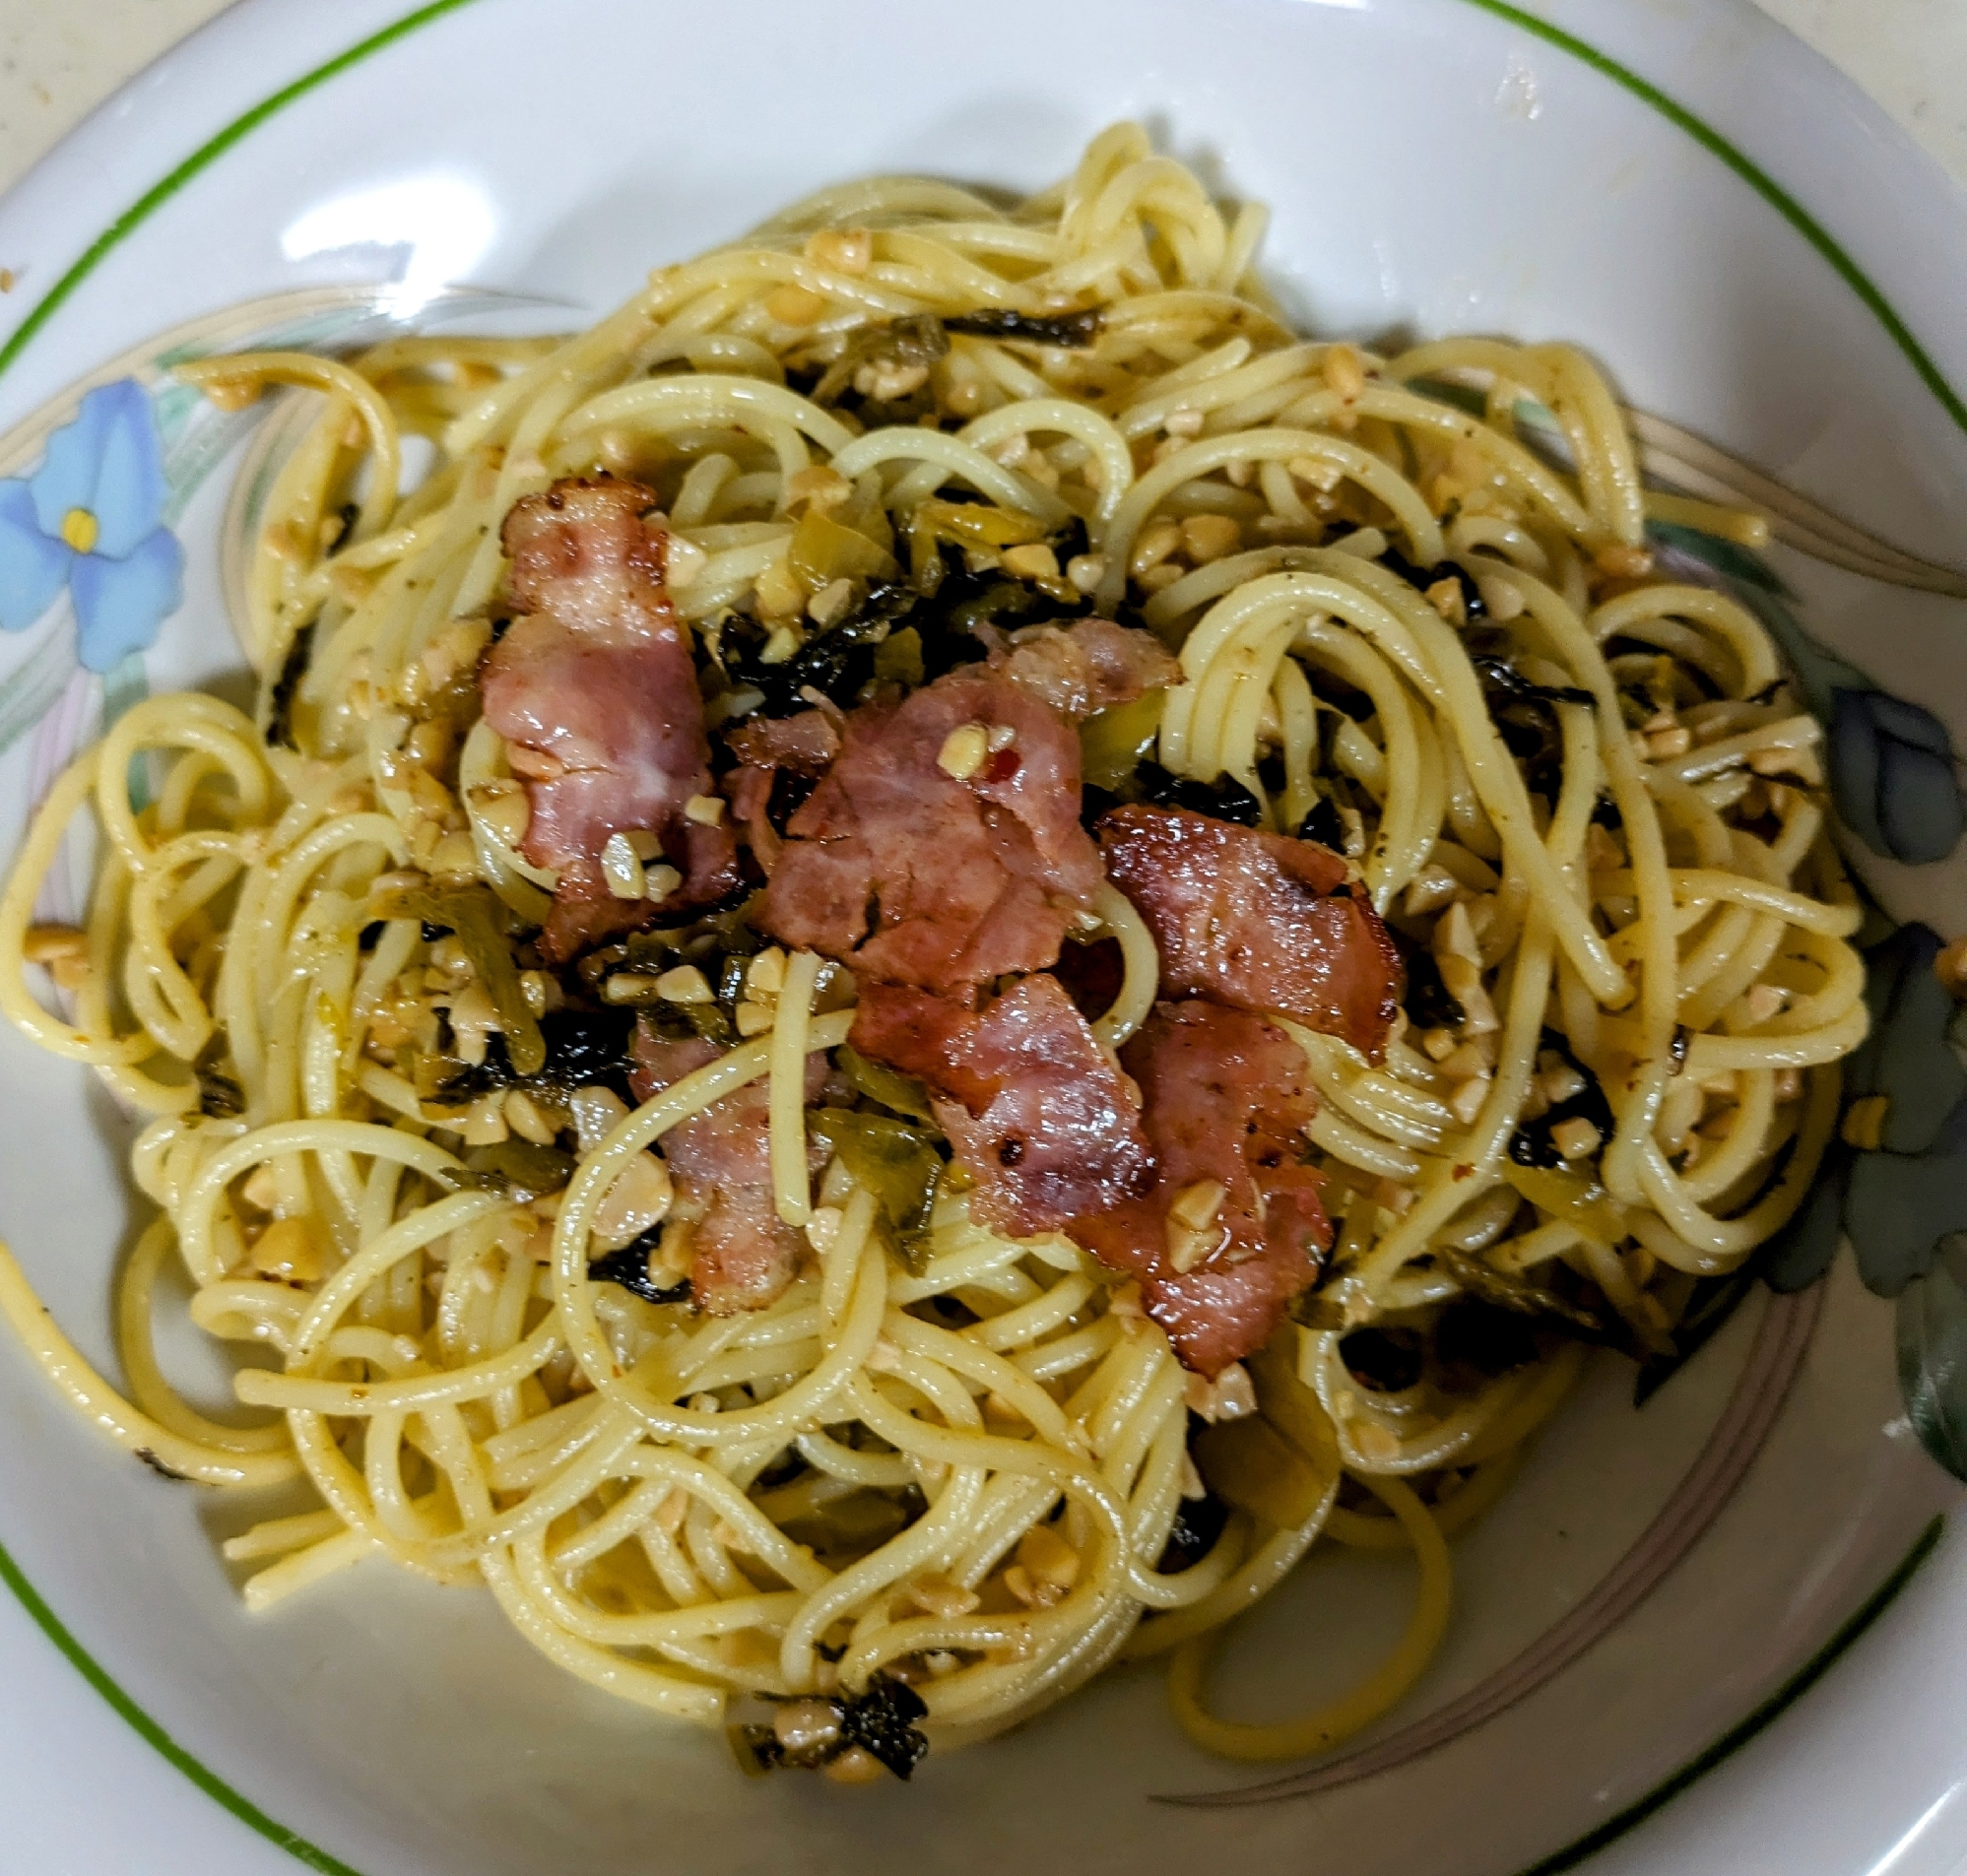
column 945, row 1473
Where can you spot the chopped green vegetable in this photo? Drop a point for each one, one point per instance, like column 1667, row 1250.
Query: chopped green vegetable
column 850, row 1525
column 823, row 550
column 1484, row 1280
column 1114, row 742
column 524, row 1170
column 1071, row 330
column 902, row 1092
column 918, row 339
column 975, row 524
column 898, row 659
column 899, row 1164
column 477, row 920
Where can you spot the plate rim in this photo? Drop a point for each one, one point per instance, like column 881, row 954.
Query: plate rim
column 218, row 39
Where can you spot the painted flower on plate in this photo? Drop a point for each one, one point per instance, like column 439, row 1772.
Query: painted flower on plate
column 91, row 519
column 1892, row 774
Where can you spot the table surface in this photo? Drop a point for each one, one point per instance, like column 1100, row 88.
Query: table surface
column 58, row 60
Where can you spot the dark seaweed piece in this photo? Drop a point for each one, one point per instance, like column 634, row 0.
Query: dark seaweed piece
column 1676, row 1050
column 789, row 1464
column 837, row 662
column 1225, row 798
column 1323, row 825
column 1524, row 713
column 1427, row 1003
column 1384, row 1361
column 629, row 1268
column 163, row 1470
column 346, row 517
column 280, row 700
column 584, row 1047
column 1071, row 330
column 1420, row 578
column 757, row 1750
column 788, row 797
column 1348, row 698
column 1471, row 1334
column 1093, row 802
column 882, row 1721
column 1531, row 1144
column 1199, row 1523
column 1498, row 675
column 220, row 1097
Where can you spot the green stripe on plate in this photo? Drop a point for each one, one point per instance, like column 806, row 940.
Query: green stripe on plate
column 1738, row 1736
column 154, row 1735
column 201, row 159
column 1711, row 140
column 1757, row 179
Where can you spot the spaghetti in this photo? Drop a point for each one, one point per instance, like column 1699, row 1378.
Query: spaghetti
column 944, row 1473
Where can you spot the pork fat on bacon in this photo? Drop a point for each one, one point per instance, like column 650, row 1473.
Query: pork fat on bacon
column 595, row 693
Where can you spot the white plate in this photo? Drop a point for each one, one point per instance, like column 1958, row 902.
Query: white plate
column 1755, row 253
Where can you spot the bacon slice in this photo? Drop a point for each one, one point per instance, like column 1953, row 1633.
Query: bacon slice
column 745, row 1253
column 1091, row 666
column 1226, row 1099
column 595, row 691
column 916, row 876
column 1256, row 921
column 1042, row 1119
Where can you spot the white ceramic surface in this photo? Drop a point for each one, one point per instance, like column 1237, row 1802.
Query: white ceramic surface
column 1434, row 166
column 58, row 62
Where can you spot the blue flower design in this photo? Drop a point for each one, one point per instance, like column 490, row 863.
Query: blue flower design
column 1892, row 776
column 1903, row 1190
column 91, row 519
column 1892, row 770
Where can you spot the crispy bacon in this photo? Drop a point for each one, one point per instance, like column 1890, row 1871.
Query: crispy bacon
column 1042, row 1119
column 916, row 876
column 1094, row 664
column 744, row 1254
column 806, row 743
column 1225, row 1099
column 1256, row 921
column 595, row 691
